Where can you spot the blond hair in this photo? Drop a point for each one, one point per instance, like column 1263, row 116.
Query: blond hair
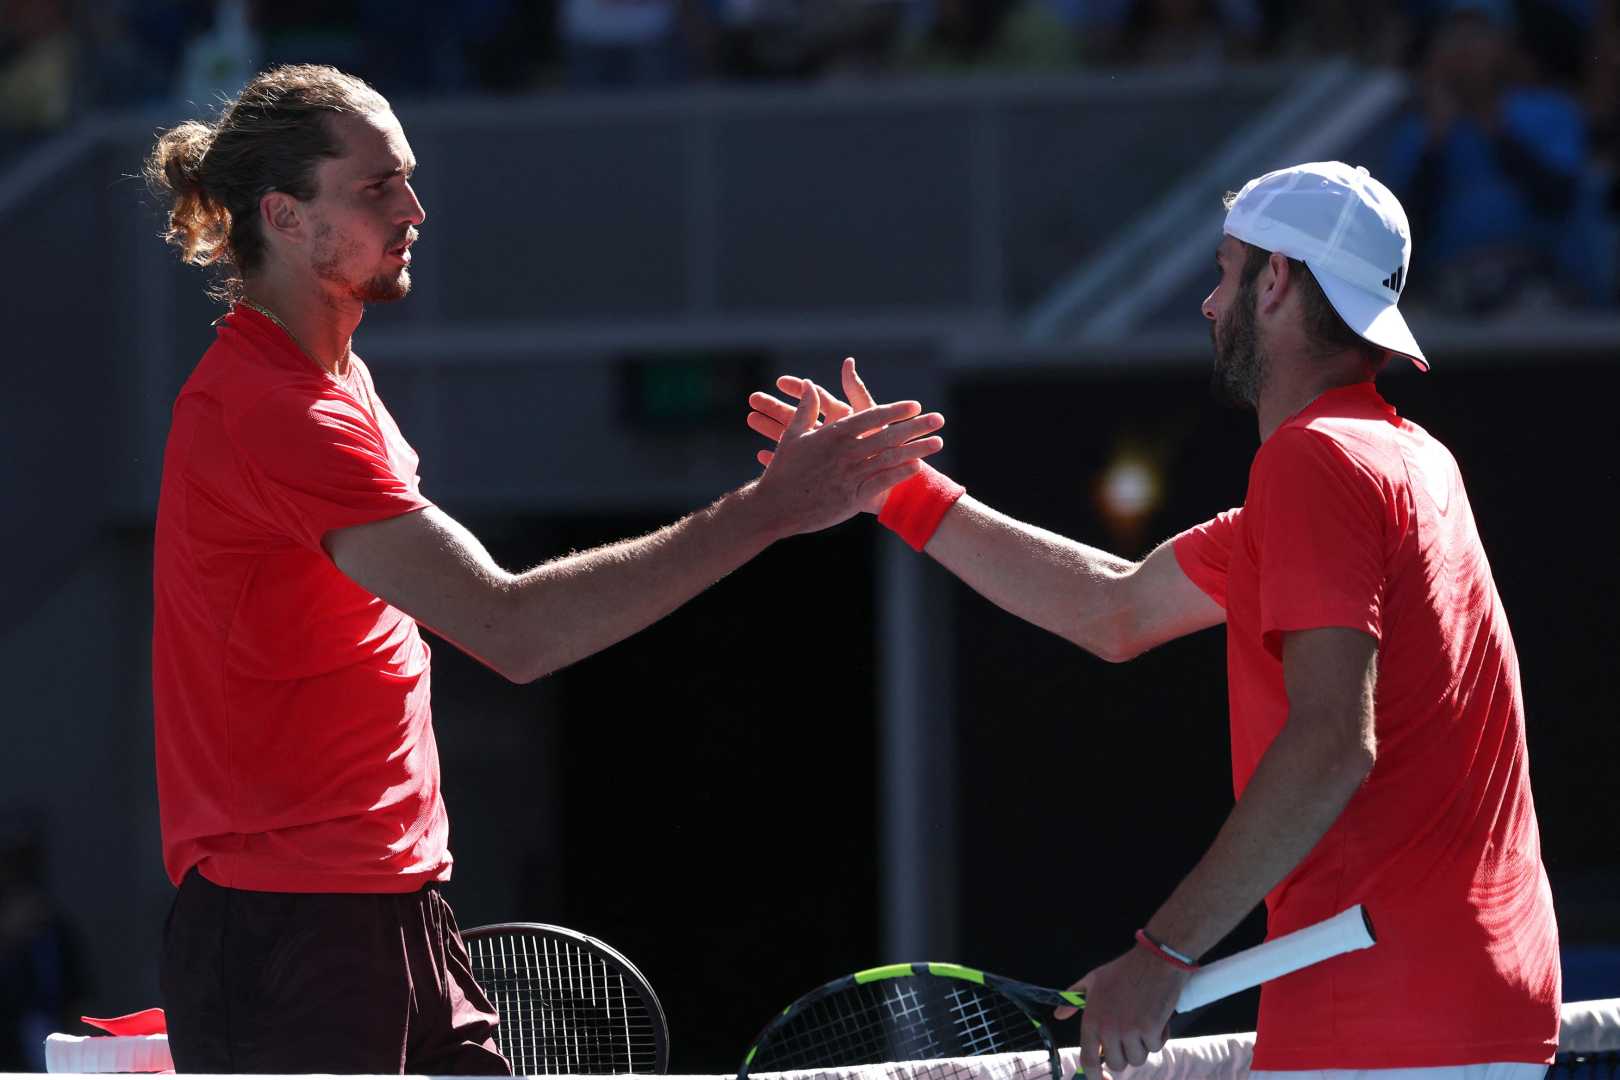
column 270, row 137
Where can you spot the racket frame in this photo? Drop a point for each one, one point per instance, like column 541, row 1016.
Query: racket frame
column 1030, row 1000
column 1348, row 931
column 635, row 982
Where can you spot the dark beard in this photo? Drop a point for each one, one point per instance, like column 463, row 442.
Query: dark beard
column 382, row 289
column 1240, row 366
column 385, row 288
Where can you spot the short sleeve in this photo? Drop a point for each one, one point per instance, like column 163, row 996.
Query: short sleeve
column 323, row 464
column 1317, row 523
column 1204, row 552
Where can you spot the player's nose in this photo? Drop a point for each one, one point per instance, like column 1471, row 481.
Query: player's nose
column 414, row 213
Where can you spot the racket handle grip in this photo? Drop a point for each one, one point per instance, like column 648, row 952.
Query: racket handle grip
column 1347, row 931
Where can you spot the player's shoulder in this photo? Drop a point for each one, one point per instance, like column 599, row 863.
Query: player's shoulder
column 239, row 368
column 1303, row 446
column 262, row 404
column 1313, row 455
column 1373, row 454
column 1355, row 421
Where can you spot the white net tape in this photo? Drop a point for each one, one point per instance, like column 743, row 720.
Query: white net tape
column 1589, row 1027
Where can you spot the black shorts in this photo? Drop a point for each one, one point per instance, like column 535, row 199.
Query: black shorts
column 259, row 982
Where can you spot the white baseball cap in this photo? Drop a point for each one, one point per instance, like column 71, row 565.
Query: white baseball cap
column 1352, row 233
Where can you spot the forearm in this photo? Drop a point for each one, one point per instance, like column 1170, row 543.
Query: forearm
column 1302, row 784
column 1060, row 585
column 571, row 607
column 530, row 624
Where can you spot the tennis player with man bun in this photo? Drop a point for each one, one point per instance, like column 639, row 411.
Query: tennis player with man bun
column 1377, row 722
column 298, row 778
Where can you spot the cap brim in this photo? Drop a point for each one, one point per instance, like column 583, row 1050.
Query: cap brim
column 1374, row 318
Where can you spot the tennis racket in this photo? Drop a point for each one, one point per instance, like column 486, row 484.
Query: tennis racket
column 568, row 1003
column 933, row 1012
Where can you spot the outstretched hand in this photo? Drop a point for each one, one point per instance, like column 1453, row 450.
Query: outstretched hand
column 774, row 418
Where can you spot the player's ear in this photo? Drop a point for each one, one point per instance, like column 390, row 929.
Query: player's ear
column 1276, row 281
column 280, row 213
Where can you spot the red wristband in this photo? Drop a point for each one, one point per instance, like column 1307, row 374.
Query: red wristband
column 1164, row 952
column 915, row 507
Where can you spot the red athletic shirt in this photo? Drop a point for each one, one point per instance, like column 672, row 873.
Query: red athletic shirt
column 1355, row 517
column 295, row 747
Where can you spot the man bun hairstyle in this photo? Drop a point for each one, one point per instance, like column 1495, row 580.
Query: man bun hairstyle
column 173, row 165
column 270, row 137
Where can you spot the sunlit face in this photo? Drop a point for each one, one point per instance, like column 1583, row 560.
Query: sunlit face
column 364, row 216
column 1240, row 363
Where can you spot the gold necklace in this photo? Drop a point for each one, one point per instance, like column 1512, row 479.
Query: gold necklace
column 273, row 317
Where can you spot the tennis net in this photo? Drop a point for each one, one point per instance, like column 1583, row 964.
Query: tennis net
column 1589, row 1049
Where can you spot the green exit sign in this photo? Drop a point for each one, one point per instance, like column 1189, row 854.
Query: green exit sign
column 691, row 389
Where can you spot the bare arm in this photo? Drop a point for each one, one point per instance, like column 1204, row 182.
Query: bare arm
column 1107, row 605
column 530, row 624
column 1301, row 786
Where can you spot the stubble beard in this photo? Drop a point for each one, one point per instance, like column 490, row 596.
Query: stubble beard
column 1240, row 364
column 332, row 252
column 385, row 288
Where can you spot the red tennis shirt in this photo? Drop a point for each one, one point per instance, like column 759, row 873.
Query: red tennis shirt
column 1355, row 517
column 295, row 747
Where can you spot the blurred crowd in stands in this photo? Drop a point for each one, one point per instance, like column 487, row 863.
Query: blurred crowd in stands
column 1507, row 160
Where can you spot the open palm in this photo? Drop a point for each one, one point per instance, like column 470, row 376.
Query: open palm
column 771, row 416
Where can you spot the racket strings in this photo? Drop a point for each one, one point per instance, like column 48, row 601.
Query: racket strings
column 562, row 1008
column 988, row 1022
column 981, row 1032
column 905, row 1019
column 859, row 1026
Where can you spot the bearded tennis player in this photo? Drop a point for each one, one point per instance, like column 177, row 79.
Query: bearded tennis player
column 296, row 552
column 1377, row 719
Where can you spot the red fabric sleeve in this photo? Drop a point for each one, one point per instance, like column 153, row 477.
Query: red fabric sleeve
column 1317, row 522
column 1205, row 551
column 325, row 465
